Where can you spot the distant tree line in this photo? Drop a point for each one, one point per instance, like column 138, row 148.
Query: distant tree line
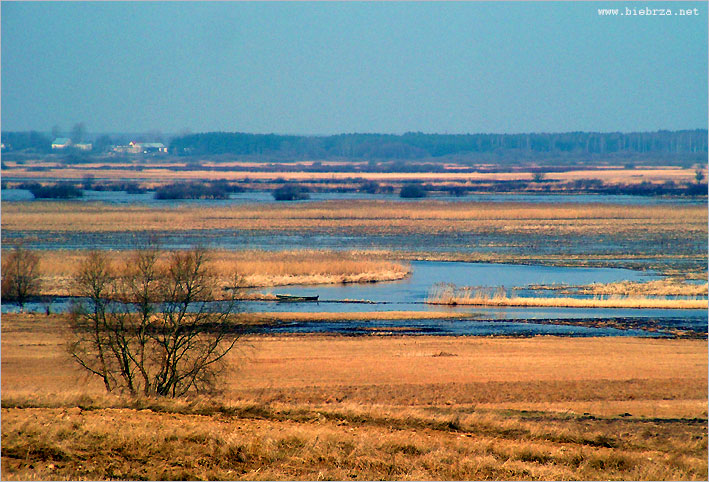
column 39, row 142
column 20, row 141
column 389, row 152
column 416, row 145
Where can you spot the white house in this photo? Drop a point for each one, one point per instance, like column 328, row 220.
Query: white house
column 61, row 143
column 141, row 148
column 147, row 147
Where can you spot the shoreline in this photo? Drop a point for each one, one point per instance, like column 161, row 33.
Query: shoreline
column 257, row 324
column 624, row 303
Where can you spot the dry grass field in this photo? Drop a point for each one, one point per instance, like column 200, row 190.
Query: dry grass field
column 253, row 268
column 382, row 217
column 163, row 172
column 329, row 407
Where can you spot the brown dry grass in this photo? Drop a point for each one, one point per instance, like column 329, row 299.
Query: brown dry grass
column 269, row 268
column 161, row 173
column 254, row 268
column 370, row 408
column 404, row 370
column 661, row 287
column 282, row 443
column 384, row 217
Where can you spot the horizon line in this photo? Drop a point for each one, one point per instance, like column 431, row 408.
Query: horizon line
column 156, row 131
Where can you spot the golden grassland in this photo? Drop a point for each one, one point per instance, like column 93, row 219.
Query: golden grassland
column 258, row 268
column 383, row 217
column 162, row 172
column 253, row 443
column 372, row 370
column 253, row 268
column 409, row 408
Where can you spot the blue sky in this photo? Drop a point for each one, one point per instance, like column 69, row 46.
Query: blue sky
column 324, row 68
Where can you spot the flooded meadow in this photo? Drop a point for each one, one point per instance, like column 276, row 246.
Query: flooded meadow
column 511, row 247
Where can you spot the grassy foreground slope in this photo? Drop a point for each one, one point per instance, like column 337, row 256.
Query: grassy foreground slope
column 327, row 407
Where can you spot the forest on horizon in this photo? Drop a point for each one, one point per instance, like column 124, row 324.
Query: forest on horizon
column 685, row 147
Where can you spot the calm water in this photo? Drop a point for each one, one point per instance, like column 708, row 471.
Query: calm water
column 425, row 274
column 412, row 292
column 121, row 197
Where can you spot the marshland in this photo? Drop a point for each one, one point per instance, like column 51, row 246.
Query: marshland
column 353, row 241
column 361, row 384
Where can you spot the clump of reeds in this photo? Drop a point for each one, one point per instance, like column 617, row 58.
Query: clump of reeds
column 450, row 294
column 661, row 287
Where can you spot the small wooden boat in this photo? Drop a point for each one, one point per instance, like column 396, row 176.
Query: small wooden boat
column 296, row 298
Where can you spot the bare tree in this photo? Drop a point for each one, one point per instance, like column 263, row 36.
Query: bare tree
column 154, row 325
column 89, row 322
column 20, row 275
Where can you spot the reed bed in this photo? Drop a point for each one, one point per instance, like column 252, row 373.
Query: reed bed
column 269, row 268
column 449, row 294
column 661, row 287
column 252, row 268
